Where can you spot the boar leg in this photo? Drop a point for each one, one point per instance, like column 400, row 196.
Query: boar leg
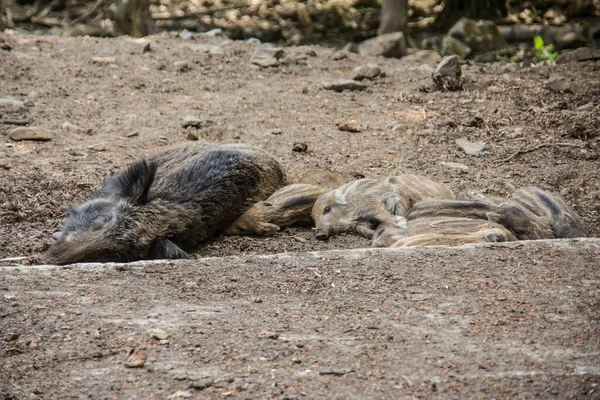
column 165, row 249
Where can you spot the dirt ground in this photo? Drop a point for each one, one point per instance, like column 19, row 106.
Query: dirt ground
column 497, row 321
column 104, row 113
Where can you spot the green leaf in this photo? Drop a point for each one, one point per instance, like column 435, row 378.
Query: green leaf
column 538, row 42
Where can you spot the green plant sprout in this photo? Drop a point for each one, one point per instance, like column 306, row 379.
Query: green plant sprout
column 543, row 53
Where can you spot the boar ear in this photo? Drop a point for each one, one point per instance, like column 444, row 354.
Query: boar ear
column 134, row 183
column 165, row 249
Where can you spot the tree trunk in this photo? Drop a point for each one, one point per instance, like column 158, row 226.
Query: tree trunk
column 476, row 9
column 140, row 17
column 394, row 16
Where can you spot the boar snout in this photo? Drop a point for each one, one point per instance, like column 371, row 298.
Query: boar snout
column 323, row 234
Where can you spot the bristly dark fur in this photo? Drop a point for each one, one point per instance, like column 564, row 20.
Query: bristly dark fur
column 167, row 205
column 299, row 201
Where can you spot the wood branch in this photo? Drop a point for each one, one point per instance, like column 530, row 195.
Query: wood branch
column 539, row 146
column 88, row 12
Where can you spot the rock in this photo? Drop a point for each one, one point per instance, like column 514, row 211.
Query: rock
column 349, row 126
column 28, row 103
column 276, row 131
column 185, row 34
column 558, row 83
column 339, row 55
column 265, row 56
column 191, row 134
column 269, row 335
column 67, row 126
column 180, row 394
column 11, row 337
column 143, row 48
column 135, row 359
column 104, row 60
column 195, row 122
column 449, row 67
column 580, row 54
column 257, row 300
column 131, row 134
column 181, row 66
column 565, row 37
column 300, row 147
column 453, row 46
column 454, row 165
column 479, row 35
column 387, row 45
column 344, row 84
column 202, row 384
column 160, row 334
column 30, row 133
column 207, row 48
column 585, row 107
column 427, row 57
column 369, row 71
column 217, row 32
column 471, row 148
column 555, row 16
column 11, row 105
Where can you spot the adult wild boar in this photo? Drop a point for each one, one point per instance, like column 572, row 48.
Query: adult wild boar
column 167, row 205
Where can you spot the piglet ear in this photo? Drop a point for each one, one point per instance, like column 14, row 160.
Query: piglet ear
column 132, row 184
column 165, row 249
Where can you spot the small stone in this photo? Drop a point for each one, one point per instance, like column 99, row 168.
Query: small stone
column 300, row 147
column 471, row 148
column 131, row 134
column 257, row 300
column 11, row 105
column 202, row 384
column 28, row 103
column 269, row 335
column 369, row 71
column 453, row 46
column 143, row 48
column 191, row 134
column 276, row 131
column 185, row 34
column 217, row 32
column 192, row 121
column 300, row 239
column 97, row 354
column 265, row 56
column 387, row 45
column 558, row 83
column 479, row 35
column 580, row 54
column 11, row 337
column 449, row 66
column 160, row 334
column 502, row 298
column 104, row 60
column 342, row 84
column 296, row 360
column 585, row 107
column 339, row 55
column 136, row 359
column 454, row 165
column 181, row 66
column 30, row 133
column 180, row 394
column 349, row 126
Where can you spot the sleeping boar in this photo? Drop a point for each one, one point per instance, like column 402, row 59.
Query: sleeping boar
column 364, row 204
column 167, row 205
column 289, row 206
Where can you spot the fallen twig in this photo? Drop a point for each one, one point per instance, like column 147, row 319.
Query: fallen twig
column 16, row 121
column 88, row 12
column 539, row 146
